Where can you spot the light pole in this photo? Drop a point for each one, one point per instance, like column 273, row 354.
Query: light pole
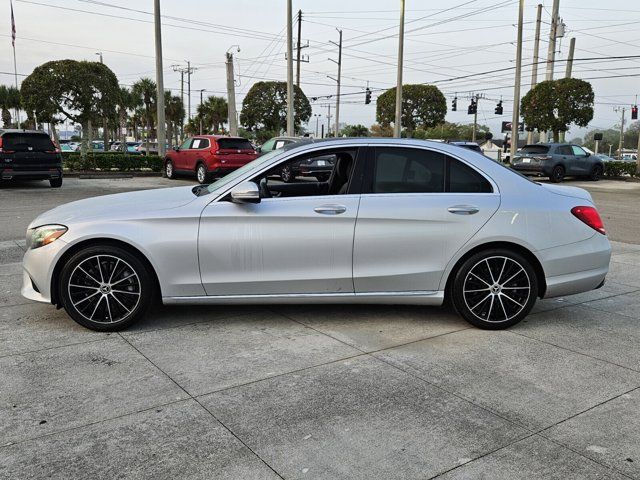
column 397, row 127
column 200, row 113
column 317, row 115
column 515, row 119
column 159, row 80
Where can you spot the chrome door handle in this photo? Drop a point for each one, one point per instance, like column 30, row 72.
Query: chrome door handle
column 330, row 209
column 463, row 209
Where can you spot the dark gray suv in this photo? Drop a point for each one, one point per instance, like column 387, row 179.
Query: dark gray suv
column 557, row 160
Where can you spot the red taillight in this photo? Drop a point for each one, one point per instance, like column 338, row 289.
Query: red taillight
column 590, row 216
column 3, row 150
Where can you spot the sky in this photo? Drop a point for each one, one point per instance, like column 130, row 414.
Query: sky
column 444, row 40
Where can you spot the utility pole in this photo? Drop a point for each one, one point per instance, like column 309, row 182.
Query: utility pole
column 231, row 95
column 572, row 48
column 328, row 120
column 397, row 127
column 159, row 80
column 620, row 143
column 201, row 91
column 290, row 124
column 337, row 80
column 536, row 59
column 317, row 115
column 299, row 48
column 188, row 70
column 515, row 120
column 551, row 54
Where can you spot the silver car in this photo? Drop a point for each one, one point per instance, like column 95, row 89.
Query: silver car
column 398, row 221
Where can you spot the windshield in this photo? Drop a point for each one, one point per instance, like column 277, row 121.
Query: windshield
column 242, row 170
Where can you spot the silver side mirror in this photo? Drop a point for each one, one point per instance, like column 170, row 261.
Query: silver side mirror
column 246, row 192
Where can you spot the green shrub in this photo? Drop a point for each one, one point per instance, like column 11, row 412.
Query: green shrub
column 111, row 161
column 619, row 169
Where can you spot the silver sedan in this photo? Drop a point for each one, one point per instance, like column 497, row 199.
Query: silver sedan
column 398, row 221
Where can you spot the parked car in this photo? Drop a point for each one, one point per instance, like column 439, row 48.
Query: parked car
column 401, row 221
column 557, row 160
column 29, row 154
column 470, row 145
column 209, row 156
column 604, row 158
column 68, row 147
column 629, row 157
column 97, row 146
column 128, row 147
column 320, row 168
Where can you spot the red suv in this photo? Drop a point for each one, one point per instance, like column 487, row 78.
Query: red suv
column 209, row 156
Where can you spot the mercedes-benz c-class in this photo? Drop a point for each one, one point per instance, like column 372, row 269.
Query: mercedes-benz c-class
column 397, row 221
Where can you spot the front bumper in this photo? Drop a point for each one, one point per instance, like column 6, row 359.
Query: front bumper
column 37, row 267
column 576, row 267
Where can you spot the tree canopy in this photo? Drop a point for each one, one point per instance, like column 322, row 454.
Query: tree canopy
column 265, row 107
column 556, row 104
column 354, row 131
column 422, row 106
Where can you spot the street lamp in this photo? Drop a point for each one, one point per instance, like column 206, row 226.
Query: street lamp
column 100, row 55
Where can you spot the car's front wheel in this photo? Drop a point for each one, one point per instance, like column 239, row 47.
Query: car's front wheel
column 495, row 289
column 596, row 173
column 105, row 288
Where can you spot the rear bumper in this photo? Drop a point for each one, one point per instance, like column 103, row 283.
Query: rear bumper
column 577, row 267
column 43, row 174
column 532, row 169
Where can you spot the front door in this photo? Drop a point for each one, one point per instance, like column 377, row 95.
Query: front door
column 182, row 155
column 298, row 243
column 421, row 208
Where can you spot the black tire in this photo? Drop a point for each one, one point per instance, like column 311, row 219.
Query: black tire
column 168, row 170
column 83, row 279
column 322, row 177
column 478, row 295
column 557, row 174
column 202, row 175
column 286, row 174
column 55, row 182
column 596, row 173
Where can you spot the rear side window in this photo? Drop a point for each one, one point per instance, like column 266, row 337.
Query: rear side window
column 199, row 143
column 464, row 179
column 408, row 170
column 234, row 144
column 27, row 142
column 564, row 150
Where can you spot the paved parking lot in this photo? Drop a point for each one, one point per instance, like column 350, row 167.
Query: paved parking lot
column 357, row 392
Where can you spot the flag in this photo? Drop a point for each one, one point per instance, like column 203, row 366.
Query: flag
column 13, row 27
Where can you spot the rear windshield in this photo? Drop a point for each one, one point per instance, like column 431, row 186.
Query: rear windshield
column 234, row 143
column 534, row 149
column 27, row 142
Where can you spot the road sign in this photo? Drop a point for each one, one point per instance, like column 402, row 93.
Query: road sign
column 506, row 127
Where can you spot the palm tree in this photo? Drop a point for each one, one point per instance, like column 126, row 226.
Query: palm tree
column 174, row 115
column 9, row 100
column 144, row 90
column 127, row 102
column 213, row 112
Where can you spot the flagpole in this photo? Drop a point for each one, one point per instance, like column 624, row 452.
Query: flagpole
column 15, row 67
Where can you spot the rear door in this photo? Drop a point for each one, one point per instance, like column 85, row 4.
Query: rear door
column 234, row 152
column 29, row 151
column 565, row 155
column 420, row 207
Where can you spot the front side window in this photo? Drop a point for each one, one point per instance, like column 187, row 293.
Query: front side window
column 408, row 170
column 578, row 152
column 268, row 145
column 185, row 145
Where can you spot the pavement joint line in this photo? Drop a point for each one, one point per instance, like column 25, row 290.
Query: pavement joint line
column 574, row 351
column 601, row 310
column 587, row 301
column 54, row 347
column 96, row 422
column 198, row 402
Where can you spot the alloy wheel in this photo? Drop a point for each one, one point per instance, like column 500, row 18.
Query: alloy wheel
column 286, row 174
column 201, row 174
column 104, row 289
column 169, row 169
column 496, row 289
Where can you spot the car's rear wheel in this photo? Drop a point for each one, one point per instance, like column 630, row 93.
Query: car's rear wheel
column 202, row 175
column 168, row 169
column 105, row 288
column 55, row 182
column 495, row 289
column 596, row 173
column 322, row 177
column 557, row 174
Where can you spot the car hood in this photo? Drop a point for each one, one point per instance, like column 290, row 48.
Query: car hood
column 566, row 191
column 117, row 206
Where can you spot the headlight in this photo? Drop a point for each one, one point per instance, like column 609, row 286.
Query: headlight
column 44, row 235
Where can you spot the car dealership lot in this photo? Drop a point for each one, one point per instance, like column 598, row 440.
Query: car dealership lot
column 321, row 391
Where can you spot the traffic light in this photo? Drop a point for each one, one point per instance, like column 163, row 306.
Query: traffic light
column 499, row 108
column 454, row 104
column 634, row 112
column 367, row 96
column 473, row 107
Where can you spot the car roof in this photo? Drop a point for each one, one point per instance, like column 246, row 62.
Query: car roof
column 19, row 130
column 216, row 137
